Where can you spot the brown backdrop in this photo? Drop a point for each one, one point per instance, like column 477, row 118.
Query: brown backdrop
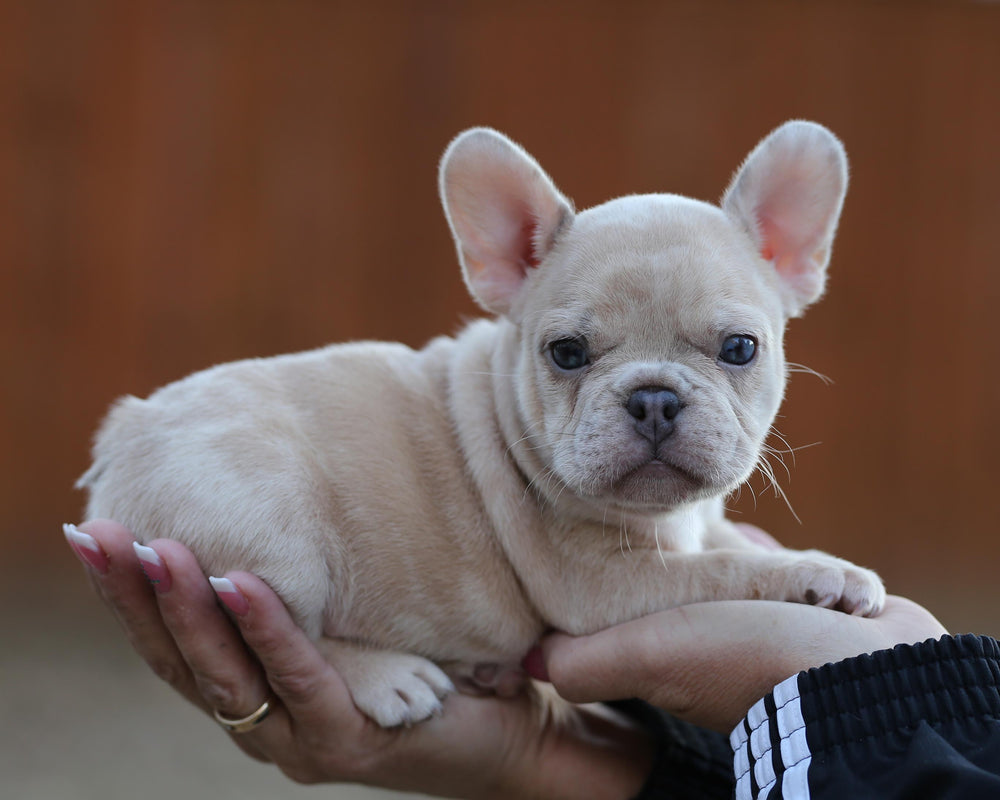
column 185, row 182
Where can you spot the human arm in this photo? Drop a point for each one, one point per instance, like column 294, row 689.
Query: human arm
column 918, row 717
column 708, row 663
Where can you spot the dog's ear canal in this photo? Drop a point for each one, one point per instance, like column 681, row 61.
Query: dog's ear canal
column 788, row 195
column 504, row 211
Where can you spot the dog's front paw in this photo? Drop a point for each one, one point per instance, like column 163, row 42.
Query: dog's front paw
column 823, row 580
column 391, row 688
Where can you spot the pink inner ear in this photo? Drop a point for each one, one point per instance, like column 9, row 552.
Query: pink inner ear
column 528, row 250
column 771, row 245
column 792, row 259
column 780, row 248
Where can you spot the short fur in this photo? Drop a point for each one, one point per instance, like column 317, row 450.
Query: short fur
column 424, row 512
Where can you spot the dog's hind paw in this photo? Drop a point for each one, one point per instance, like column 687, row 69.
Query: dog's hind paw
column 391, row 688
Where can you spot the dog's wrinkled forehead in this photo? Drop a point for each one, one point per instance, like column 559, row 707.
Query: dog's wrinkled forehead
column 663, row 261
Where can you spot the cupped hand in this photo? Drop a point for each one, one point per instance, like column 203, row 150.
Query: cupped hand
column 710, row 662
column 533, row 745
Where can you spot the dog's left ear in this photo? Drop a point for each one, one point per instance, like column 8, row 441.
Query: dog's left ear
column 788, row 195
column 504, row 213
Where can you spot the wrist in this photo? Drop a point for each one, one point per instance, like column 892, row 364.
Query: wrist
column 591, row 751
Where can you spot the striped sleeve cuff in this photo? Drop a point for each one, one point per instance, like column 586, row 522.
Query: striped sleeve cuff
column 809, row 725
column 770, row 745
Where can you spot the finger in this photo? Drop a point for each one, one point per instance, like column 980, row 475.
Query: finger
column 121, row 584
column 587, row 669
column 308, row 687
column 225, row 674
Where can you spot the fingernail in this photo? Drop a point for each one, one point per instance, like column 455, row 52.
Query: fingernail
column 534, row 664
column 231, row 597
column 151, row 563
column 86, row 548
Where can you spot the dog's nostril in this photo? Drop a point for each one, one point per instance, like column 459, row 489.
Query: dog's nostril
column 653, row 402
column 636, row 406
column 670, row 404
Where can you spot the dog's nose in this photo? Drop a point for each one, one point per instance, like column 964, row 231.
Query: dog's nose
column 654, row 409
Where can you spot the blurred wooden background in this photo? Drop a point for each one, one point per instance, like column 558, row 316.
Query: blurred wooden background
column 184, row 182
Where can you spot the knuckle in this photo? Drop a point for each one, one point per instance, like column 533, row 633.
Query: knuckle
column 262, row 638
column 221, row 696
column 297, row 686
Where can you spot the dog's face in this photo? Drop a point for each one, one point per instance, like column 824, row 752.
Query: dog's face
column 650, row 363
column 651, row 356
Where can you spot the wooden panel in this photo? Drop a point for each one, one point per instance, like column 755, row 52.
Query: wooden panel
column 185, row 182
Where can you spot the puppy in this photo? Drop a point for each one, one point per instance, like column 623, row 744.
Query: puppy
column 561, row 466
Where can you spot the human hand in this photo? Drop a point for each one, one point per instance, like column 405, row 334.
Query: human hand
column 709, row 663
column 533, row 745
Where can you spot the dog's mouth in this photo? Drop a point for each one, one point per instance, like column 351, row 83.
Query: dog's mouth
column 659, row 483
column 658, row 468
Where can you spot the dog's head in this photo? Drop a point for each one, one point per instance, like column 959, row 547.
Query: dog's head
column 650, row 363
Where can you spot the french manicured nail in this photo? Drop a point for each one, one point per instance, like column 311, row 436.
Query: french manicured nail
column 151, row 563
column 534, row 664
column 86, row 548
column 231, row 597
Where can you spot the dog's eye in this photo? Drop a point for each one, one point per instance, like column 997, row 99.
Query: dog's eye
column 738, row 350
column 569, row 354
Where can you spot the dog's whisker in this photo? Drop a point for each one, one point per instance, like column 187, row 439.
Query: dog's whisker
column 659, row 547
column 749, row 485
column 769, row 451
column 767, row 470
column 793, row 367
column 793, row 450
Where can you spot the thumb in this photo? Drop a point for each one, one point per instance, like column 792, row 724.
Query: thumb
column 621, row 662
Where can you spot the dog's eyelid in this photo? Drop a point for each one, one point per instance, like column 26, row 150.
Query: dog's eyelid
column 547, row 342
column 745, row 332
column 757, row 333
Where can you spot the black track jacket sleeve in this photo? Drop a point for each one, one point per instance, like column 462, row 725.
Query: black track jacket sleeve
column 918, row 721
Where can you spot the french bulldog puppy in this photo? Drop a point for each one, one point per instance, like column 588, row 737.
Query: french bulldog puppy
column 561, row 466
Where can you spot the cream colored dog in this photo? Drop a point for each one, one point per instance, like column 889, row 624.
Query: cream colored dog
column 561, row 466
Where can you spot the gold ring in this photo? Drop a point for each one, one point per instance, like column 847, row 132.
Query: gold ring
column 247, row 723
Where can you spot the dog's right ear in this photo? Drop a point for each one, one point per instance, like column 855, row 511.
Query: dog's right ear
column 504, row 213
